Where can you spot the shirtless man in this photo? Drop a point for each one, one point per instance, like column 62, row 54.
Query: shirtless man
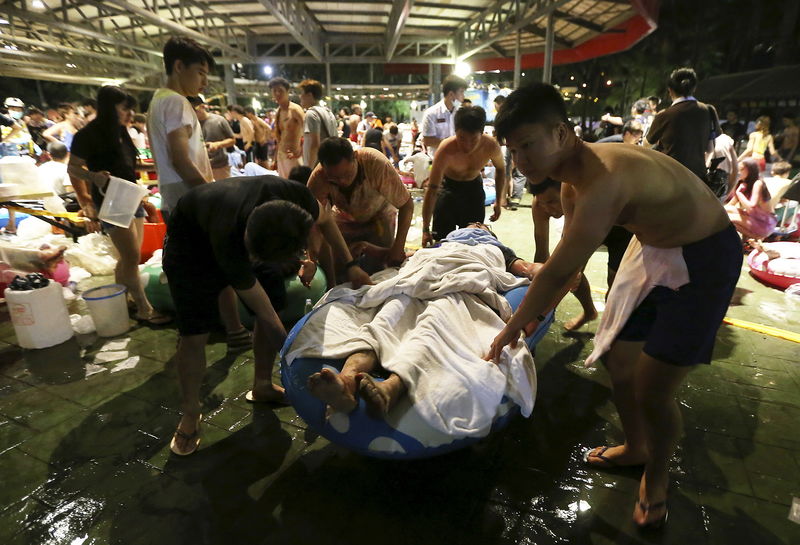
column 339, row 390
column 459, row 160
column 353, row 121
column 288, row 128
column 262, row 134
column 677, row 220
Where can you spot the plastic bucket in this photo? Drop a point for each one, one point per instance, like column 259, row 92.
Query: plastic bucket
column 109, row 309
column 121, row 201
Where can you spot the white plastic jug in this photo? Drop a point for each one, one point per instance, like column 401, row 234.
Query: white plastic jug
column 109, row 309
column 121, row 200
column 22, row 172
column 39, row 316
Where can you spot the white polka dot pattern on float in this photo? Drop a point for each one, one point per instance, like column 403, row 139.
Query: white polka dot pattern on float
column 340, row 422
column 386, row 444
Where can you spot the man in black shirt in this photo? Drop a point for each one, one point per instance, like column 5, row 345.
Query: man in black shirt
column 217, row 235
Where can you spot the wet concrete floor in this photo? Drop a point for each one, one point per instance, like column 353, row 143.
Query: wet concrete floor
column 84, row 455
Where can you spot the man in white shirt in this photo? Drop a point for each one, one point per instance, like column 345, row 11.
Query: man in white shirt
column 176, row 138
column 54, row 173
column 363, row 126
column 437, row 122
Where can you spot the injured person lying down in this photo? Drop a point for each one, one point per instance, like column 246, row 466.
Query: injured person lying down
column 426, row 326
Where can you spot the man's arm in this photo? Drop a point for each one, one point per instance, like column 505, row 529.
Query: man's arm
column 397, row 253
column 81, row 177
column 499, row 178
column 178, row 149
column 330, row 231
column 248, row 133
column 291, row 138
column 269, row 333
column 52, row 134
column 541, row 234
column 311, row 148
column 431, row 193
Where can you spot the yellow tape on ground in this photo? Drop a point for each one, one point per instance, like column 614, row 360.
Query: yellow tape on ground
column 72, row 216
column 751, row 326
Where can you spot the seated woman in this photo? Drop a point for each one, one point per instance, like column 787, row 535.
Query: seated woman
column 749, row 208
column 339, row 391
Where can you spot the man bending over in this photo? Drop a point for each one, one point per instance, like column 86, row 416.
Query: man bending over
column 653, row 336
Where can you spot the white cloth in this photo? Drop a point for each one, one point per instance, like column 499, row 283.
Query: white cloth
column 168, row 112
column 642, row 268
column 53, row 175
column 431, row 323
column 420, row 163
column 438, row 122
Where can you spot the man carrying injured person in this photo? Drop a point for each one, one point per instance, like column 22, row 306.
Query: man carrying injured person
column 672, row 289
column 339, row 391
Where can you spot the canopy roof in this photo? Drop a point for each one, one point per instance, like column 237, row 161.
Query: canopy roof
column 777, row 83
column 88, row 41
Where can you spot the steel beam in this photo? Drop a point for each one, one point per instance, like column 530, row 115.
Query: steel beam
column 401, row 9
column 578, row 21
column 174, row 27
column 547, row 72
column 115, row 59
column 296, row 19
column 496, row 22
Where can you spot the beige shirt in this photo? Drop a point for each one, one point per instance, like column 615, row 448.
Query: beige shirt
column 377, row 185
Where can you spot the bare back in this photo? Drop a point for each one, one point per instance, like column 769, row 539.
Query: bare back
column 466, row 166
column 652, row 195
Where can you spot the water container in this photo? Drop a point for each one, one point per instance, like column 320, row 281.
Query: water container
column 109, row 309
column 121, row 200
column 39, row 316
column 22, row 172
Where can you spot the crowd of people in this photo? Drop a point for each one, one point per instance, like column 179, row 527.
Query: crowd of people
column 304, row 188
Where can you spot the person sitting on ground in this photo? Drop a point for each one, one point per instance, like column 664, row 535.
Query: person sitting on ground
column 102, row 149
column 340, row 390
column 420, row 167
column 370, row 202
column 652, row 333
column 224, row 230
column 749, row 208
column 458, row 161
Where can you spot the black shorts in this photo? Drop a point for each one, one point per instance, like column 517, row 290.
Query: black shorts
column 679, row 327
column 616, row 242
column 195, row 279
column 458, row 205
column 261, row 151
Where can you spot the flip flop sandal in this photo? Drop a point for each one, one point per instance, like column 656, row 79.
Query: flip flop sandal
column 187, row 437
column 599, row 454
column 155, row 319
column 239, row 341
column 250, row 399
column 657, row 523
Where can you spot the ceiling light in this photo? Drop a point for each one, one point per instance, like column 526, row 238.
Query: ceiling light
column 462, row 69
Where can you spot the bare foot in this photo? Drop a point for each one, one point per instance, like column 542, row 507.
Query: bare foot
column 270, row 393
column 380, row 397
column 650, row 510
column 609, row 457
column 581, row 320
column 334, row 389
column 51, row 256
column 187, row 437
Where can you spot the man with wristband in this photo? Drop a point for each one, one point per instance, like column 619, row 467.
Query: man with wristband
column 369, row 201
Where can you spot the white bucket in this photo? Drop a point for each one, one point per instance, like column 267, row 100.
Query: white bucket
column 39, row 316
column 121, row 200
column 109, row 309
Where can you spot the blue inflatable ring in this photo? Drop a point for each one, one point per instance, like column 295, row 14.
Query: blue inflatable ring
column 401, row 436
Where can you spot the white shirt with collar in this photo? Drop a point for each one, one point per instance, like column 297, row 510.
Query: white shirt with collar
column 438, row 122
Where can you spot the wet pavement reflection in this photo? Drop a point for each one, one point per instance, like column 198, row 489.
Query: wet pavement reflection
column 85, row 428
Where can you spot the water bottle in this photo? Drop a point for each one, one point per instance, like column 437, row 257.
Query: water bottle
column 309, row 305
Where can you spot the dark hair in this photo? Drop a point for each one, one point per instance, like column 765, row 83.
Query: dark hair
column 499, row 99
column 682, row 81
column 229, row 107
column 332, row 150
column 640, row 106
column 186, row 50
column 394, row 129
column 300, row 173
column 249, row 110
column 67, row 106
column 470, row 118
column 453, row 83
column 632, row 127
column 238, row 109
column 89, row 102
column 536, row 103
column 752, row 175
column 139, row 118
column 547, row 183
column 345, row 109
column 279, row 82
column 195, row 101
column 115, row 138
column 57, row 150
column 277, row 230
column 311, row 86
column 654, row 99
column 467, row 102
column 33, row 110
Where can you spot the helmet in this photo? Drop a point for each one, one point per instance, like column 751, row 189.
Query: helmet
column 12, row 102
